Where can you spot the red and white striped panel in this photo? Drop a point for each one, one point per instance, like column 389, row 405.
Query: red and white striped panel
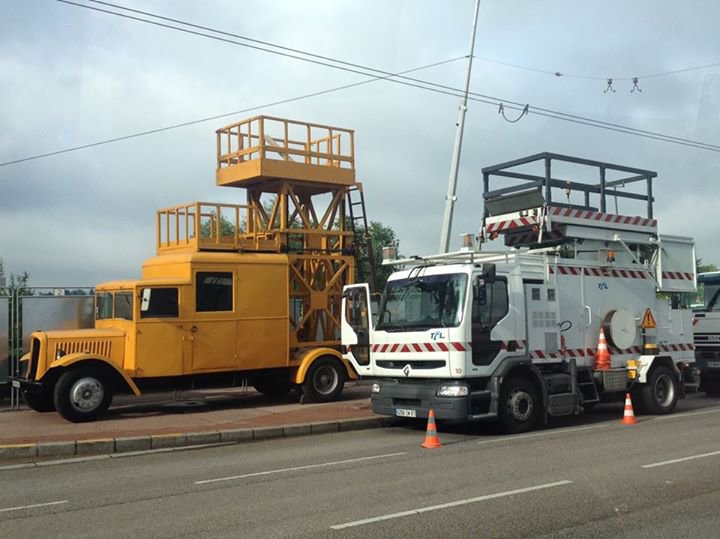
column 677, row 275
column 510, row 224
column 602, row 217
column 599, row 272
column 589, row 352
column 404, row 348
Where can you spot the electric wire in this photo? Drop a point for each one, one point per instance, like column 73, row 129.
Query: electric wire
column 392, row 77
column 223, row 115
column 417, row 83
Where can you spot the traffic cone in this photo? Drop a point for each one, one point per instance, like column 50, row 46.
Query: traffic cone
column 629, row 415
column 431, row 438
column 602, row 355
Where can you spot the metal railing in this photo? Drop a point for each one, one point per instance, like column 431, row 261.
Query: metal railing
column 34, row 308
column 265, row 137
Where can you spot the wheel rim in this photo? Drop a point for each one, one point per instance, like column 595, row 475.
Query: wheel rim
column 86, row 394
column 325, row 380
column 520, row 405
column 664, row 390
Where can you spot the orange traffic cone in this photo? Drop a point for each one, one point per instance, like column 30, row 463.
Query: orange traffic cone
column 629, row 415
column 602, row 355
column 431, row 438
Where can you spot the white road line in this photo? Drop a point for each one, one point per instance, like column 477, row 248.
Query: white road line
column 447, row 505
column 678, row 416
column 544, row 433
column 296, row 468
column 33, row 506
column 675, row 461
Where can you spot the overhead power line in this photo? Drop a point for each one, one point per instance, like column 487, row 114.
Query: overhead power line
column 397, row 78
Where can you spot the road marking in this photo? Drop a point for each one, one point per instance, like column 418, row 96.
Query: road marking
column 296, row 468
column 683, row 459
column 677, row 416
column 33, row 506
column 448, row 505
column 535, row 435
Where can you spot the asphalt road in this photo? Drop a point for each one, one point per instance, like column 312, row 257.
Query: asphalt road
column 588, row 477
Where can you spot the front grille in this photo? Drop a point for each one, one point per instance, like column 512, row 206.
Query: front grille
column 427, row 364
column 96, row 348
column 407, row 402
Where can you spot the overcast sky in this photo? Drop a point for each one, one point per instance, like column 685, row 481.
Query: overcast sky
column 70, row 76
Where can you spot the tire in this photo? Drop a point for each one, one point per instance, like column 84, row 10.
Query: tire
column 660, row 393
column 710, row 385
column 519, row 407
column 82, row 394
column 278, row 386
column 324, row 380
column 40, row 402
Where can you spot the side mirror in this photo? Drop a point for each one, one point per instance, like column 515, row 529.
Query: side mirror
column 489, row 273
column 479, row 292
column 145, row 300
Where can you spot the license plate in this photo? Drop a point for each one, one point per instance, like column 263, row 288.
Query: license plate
column 400, row 412
column 715, row 364
column 16, row 383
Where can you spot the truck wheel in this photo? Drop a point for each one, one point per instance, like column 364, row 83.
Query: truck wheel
column 324, row 380
column 709, row 385
column 660, row 393
column 40, row 402
column 519, row 406
column 277, row 386
column 82, row 395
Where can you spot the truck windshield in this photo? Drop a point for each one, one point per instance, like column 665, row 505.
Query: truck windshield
column 709, row 291
column 103, row 305
column 423, row 302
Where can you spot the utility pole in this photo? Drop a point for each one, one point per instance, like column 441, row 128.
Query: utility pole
column 450, row 198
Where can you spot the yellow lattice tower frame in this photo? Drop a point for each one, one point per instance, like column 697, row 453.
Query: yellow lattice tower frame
column 297, row 176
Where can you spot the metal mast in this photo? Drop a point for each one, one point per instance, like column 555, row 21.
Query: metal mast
column 450, row 198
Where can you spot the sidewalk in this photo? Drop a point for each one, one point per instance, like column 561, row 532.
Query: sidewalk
column 199, row 417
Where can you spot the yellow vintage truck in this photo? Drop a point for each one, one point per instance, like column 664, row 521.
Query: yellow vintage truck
column 238, row 294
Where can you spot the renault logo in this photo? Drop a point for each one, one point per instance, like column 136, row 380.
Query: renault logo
column 406, row 370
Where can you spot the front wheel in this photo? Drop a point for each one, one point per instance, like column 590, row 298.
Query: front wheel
column 519, row 407
column 660, row 393
column 324, row 380
column 82, row 394
column 40, row 402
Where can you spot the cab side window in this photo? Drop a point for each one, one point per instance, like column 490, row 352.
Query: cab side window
column 213, row 291
column 159, row 303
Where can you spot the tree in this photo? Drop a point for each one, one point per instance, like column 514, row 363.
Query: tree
column 380, row 236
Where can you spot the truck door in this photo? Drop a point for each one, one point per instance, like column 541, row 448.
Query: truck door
column 214, row 325
column 159, row 333
column 356, row 326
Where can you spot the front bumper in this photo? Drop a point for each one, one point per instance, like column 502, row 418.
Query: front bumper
column 31, row 386
column 403, row 398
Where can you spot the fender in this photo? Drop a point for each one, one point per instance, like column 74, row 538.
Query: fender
column 306, row 358
column 73, row 359
column 647, row 362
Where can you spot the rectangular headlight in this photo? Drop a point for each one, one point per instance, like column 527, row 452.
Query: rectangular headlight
column 453, row 391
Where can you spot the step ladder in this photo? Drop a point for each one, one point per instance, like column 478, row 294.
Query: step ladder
column 586, row 386
column 364, row 254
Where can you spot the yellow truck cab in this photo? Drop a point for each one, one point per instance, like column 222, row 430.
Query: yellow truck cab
column 237, row 294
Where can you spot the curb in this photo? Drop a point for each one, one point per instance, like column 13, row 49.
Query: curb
column 167, row 442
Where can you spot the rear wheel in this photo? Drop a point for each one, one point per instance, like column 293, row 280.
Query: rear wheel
column 519, row 407
column 324, row 380
column 660, row 393
column 40, row 402
column 82, row 394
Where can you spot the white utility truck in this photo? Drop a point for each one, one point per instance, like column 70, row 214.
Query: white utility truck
column 514, row 335
column 707, row 332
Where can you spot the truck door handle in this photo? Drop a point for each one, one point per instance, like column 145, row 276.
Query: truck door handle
column 194, row 329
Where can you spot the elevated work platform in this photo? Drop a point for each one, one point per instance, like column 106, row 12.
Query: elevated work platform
column 264, row 148
column 544, row 209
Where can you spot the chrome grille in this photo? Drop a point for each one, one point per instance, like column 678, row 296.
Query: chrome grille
column 94, row 347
